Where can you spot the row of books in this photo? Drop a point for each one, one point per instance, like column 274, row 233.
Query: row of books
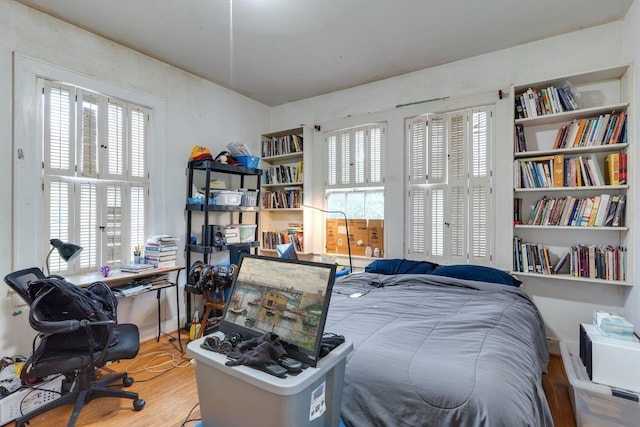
column 541, row 102
column 602, row 130
column 560, row 171
column 615, row 169
column 271, row 239
column 597, row 211
column 283, row 174
column 590, row 261
column 283, row 145
column 287, row 198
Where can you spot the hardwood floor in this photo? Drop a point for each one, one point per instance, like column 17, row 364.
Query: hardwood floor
column 166, row 381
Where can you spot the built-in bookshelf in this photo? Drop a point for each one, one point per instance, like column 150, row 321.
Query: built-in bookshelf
column 284, row 188
column 572, row 150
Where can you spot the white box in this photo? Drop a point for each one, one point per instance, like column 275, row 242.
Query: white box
column 24, row 401
column 240, row 396
column 228, row 198
column 614, row 362
column 596, row 405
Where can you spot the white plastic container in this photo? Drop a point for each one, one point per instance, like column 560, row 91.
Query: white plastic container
column 247, row 232
column 249, row 197
column 596, row 405
column 27, row 400
column 228, row 198
column 241, row 396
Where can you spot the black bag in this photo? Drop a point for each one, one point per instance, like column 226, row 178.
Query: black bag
column 57, row 299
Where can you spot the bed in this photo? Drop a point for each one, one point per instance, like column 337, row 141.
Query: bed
column 436, row 350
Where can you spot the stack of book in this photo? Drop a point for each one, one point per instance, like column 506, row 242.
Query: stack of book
column 136, row 268
column 161, row 251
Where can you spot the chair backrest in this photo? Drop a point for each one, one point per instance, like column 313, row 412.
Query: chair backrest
column 19, row 281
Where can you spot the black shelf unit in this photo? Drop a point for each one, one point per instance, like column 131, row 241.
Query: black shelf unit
column 205, row 247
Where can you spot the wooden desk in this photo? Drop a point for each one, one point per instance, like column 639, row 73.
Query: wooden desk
column 117, row 278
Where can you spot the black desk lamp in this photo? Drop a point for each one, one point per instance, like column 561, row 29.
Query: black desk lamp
column 346, row 224
column 68, row 251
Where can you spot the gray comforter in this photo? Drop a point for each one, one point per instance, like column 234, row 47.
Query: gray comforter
column 435, row 351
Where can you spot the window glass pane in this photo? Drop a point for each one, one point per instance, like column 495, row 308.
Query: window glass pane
column 355, row 205
column 336, row 202
column 374, row 206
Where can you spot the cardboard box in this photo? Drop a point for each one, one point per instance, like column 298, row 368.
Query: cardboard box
column 362, row 232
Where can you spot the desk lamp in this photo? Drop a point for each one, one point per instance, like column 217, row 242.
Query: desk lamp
column 68, row 251
column 346, row 224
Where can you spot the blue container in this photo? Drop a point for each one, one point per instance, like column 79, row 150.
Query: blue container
column 249, row 161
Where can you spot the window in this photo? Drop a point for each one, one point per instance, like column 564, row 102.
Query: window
column 450, row 209
column 95, row 175
column 355, row 174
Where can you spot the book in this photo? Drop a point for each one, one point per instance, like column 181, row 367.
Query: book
column 596, row 172
column 594, row 211
column 561, row 262
column 618, row 217
column 612, row 169
column 622, row 169
column 160, row 258
column 613, row 205
column 136, row 268
column 602, row 210
column 558, row 170
column 131, row 288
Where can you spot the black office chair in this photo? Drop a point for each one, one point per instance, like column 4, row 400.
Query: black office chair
column 79, row 366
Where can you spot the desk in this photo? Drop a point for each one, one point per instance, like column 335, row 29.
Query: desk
column 117, row 278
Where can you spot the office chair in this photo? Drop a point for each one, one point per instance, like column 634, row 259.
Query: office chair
column 78, row 365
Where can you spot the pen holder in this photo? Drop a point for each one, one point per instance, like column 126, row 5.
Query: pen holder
column 137, row 259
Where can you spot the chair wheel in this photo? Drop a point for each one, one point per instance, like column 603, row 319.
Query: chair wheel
column 138, row 404
column 127, row 381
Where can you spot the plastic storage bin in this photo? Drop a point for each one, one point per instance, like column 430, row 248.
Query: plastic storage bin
column 249, row 197
column 249, row 161
column 596, row 405
column 247, row 232
column 241, row 396
column 227, row 198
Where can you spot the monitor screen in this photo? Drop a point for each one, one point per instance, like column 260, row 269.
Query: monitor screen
column 287, row 251
column 286, row 297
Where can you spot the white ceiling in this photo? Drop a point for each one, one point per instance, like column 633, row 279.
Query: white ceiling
column 278, row 51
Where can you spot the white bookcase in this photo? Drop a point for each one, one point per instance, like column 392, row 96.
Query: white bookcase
column 286, row 184
column 599, row 95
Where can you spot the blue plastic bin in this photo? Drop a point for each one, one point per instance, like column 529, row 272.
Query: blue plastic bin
column 249, row 161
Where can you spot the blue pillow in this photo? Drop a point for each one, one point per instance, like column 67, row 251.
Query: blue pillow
column 400, row 266
column 476, row 272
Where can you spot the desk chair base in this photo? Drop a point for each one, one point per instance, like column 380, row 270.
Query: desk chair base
column 84, row 392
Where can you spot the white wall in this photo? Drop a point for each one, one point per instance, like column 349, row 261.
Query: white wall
column 193, row 112
column 563, row 305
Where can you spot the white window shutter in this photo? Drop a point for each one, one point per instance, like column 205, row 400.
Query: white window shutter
column 332, row 160
column 437, row 150
column 375, row 154
column 116, row 132
column 89, row 110
column 481, row 209
column 359, row 137
column 457, row 220
column 137, row 195
column 138, row 128
column 112, row 224
column 59, row 129
column 87, row 213
column 417, row 223
column 437, row 229
column 58, row 209
column 345, row 151
column 417, row 149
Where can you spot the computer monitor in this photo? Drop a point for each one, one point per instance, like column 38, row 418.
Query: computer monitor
column 286, row 251
column 286, row 297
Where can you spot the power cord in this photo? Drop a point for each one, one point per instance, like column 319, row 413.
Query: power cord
column 188, row 419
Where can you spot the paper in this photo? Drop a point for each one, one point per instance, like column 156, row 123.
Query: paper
column 318, row 403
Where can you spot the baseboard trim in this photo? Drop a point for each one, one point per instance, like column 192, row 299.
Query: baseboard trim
column 554, row 346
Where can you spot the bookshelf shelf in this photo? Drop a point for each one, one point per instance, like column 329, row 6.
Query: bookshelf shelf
column 568, row 277
column 569, row 132
column 285, row 184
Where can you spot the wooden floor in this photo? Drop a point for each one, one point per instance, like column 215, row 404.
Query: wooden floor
column 165, row 379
